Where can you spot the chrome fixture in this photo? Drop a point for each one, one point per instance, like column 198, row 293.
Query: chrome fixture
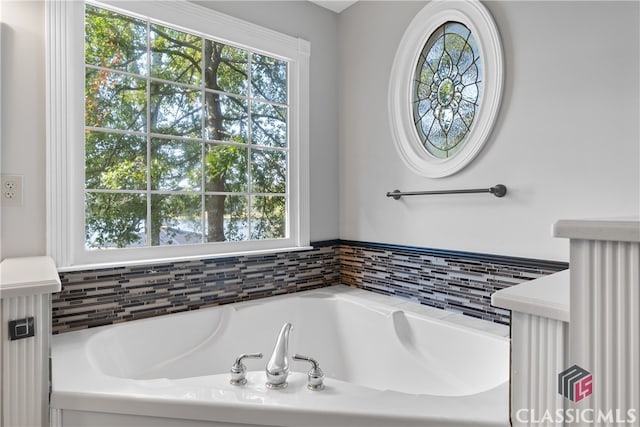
column 498, row 190
column 239, row 370
column 315, row 375
column 278, row 366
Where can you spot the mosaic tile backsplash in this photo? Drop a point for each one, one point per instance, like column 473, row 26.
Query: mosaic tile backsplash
column 455, row 281
column 101, row 297
column 461, row 282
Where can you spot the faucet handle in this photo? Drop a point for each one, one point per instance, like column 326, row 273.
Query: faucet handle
column 239, row 370
column 315, row 375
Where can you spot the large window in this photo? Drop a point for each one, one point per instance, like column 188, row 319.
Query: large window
column 191, row 142
column 185, row 137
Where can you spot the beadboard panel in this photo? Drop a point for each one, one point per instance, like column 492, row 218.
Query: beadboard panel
column 605, row 309
column 538, row 351
column 25, row 361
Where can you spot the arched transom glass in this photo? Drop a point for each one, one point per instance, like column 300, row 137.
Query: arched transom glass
column 447, row 89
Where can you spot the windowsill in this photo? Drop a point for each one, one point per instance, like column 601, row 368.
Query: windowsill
column 150, row 262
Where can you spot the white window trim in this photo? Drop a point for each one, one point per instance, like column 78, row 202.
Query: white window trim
column 404, row 134
column 65, row 136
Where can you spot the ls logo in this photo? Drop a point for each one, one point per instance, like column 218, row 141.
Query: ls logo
column 575, row 383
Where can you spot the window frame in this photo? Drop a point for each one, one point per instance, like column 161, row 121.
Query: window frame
column 65, row 131
column 404, row 134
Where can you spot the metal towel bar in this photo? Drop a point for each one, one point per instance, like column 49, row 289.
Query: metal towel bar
column 498, row 190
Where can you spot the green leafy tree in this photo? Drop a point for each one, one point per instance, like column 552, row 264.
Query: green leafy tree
column 169, row 115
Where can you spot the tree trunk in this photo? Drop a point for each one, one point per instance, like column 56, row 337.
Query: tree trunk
column 156, row 210
column 214, row 205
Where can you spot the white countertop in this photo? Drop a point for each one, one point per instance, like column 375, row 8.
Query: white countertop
column 544, row 297
column 28, row 276
column 616, row 229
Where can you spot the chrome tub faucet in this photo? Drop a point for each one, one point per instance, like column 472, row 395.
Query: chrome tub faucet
column 278, row 366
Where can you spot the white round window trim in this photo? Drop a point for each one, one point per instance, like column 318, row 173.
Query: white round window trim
column 405, row 136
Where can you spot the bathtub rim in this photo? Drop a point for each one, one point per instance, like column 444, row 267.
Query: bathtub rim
column 380, row 302
column 481, row 405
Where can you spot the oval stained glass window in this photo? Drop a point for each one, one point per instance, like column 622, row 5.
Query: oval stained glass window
column 447, row 89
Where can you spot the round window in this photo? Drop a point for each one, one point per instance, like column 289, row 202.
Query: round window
column 445, row 87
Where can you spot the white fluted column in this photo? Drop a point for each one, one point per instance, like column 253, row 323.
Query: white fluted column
column 25, row 293
column 539, row 326
column 604, row 330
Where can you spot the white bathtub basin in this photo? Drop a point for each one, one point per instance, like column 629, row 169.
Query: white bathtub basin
column 386, row 362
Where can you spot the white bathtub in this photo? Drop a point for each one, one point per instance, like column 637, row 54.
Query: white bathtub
column 387, row 362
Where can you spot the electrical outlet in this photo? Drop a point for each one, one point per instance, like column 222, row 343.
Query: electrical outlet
column 11, row 190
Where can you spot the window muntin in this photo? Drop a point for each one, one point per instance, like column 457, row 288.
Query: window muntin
column 447, row 89
column 186, row 137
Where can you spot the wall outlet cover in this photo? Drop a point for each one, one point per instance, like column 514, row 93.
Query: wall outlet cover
column 11, row 190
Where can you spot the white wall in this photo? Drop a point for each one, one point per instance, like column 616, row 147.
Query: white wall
column 23, row 131
column 566, row 144
column 23, row 125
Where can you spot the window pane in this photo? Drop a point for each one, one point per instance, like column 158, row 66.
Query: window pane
column 115, row 100
column 175, row 110
column 115, row 161
column 175, row 165
column 115, row 220
column 434, row 49
column 188, row 143
column 470, row 77
column 268, row 125
column 467, row 112
column 115, row 41
column 225, row 68
column 268, row 217
column 226, row 168
column 175, row 219
column 467, row 57
column 226, row 118
column 269, row 78
column 446, row 83
column 176, row 56
column 268, row 171
column 227, row 218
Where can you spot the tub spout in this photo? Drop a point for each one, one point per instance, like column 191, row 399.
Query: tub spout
column 278, row 365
